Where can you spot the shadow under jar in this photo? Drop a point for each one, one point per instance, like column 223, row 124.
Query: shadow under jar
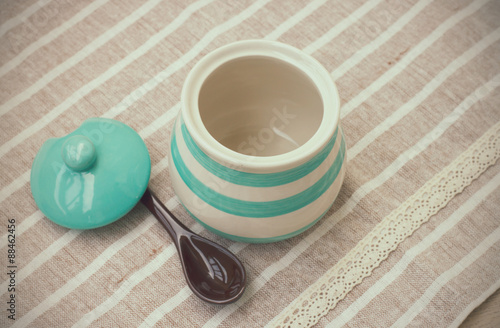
column 257, row 152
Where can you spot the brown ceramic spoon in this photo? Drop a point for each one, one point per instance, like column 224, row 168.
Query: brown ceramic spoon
column 213, row 273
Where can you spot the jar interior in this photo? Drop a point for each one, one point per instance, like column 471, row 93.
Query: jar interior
column 260, row 106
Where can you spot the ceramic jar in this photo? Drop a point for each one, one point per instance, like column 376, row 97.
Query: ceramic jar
column 257, row 152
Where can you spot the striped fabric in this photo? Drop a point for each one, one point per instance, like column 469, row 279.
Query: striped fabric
column 419, row 85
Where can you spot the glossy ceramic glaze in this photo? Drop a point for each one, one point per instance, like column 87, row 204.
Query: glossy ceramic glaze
column 96, row 174
column 91, row 177
column 257, row 153
column 213, row 273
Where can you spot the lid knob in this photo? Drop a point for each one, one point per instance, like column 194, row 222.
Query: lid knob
column 78, row 152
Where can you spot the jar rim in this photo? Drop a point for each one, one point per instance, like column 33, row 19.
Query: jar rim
column 305, row 63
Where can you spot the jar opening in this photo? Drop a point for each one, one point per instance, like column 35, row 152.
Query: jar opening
column 260, row 106
column 235, row 95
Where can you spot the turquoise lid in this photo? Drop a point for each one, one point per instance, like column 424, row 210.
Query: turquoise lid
column 91, row 177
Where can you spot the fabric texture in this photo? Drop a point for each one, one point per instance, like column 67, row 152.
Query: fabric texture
column 419, row 85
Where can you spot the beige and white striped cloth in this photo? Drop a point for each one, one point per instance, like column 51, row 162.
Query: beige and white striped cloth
column 413, row 238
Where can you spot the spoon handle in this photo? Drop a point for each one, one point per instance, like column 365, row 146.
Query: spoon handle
column 166, row 218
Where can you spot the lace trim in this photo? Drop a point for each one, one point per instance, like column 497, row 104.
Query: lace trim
column 336, row 283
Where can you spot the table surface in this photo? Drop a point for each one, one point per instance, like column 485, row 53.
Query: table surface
column 485, row 315
column 413, row 239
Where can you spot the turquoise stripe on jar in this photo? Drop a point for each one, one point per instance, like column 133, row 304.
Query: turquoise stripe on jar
column 256, row 209
column 254, row 179
column 261, row 240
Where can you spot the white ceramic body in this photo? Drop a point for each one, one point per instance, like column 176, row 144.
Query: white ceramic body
column 257, row 152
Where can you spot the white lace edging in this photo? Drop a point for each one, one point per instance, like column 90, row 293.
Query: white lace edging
column 321, row 297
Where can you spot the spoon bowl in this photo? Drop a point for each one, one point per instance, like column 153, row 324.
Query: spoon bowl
column 213, row 273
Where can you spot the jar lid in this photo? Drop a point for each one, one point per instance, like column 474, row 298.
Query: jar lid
column 91, row 177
